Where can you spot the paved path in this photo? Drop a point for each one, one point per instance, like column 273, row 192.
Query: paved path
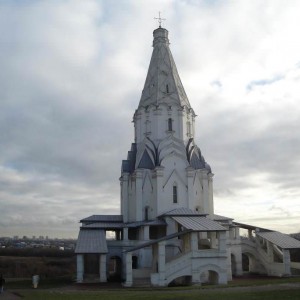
column 9, row 295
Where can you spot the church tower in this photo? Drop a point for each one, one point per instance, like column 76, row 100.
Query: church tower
column 165, row 169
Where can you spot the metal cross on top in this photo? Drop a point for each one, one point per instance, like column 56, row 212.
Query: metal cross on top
column 160, row 19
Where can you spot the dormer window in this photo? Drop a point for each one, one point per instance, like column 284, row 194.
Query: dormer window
column 170, row 121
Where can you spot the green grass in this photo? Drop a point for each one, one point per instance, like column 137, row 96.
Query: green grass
column 64, row 288
column 163, row 295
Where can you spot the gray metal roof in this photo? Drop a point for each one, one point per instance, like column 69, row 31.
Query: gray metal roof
column 91, row 241
column 103, row 218
column 183, row 211
column 119, row 225
column 146, row 162
column 105, row 225
column 198, row 223
column 221, row 218
column 251, row 227
column 128, row 165
column 282, row 240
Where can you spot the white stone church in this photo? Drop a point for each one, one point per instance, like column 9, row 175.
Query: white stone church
column 167, row 232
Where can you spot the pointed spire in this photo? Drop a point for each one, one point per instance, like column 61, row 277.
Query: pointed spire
column 163, row 84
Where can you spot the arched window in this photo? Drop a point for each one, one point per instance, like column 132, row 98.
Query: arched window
column 170, row 121
column 175, row 200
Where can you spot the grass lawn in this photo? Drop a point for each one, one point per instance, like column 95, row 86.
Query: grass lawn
column 163, row 295
column 239, row 289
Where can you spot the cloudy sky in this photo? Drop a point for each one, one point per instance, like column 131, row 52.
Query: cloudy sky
column 71, row 77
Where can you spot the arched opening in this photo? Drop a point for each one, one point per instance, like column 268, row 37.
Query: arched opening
column 134, row 262
column 115, row 269
column 233, row 265
column 91, row 264
column 147, row 213
column 245, row 263
column 181, row 281
column 209, row 277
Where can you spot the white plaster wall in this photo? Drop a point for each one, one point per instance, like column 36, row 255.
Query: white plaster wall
column 156, row 119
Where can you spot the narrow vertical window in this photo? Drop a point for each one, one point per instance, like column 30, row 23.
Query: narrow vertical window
column 170, row 124
column 167, row 88
column 188, row 125
column 175, row 194
column 146, row 213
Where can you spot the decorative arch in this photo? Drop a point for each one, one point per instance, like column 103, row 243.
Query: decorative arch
column 213, row 273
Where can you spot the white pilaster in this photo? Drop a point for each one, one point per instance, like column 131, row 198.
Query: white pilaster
column 80, row 267
column 125, row 233
column 162, row 262
column 286, row 262
column 102, row 266
column 139, row 195
column 124, row 196
column 128, row 265
column 146, row 233
column 190, row 172
column 222, row 241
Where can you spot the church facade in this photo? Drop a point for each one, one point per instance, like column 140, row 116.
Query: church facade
column 167, row 232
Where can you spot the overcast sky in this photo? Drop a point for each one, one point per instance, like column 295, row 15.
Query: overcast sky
column 72, row 74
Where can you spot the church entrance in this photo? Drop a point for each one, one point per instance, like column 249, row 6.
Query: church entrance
column 115, row 269
column 91, row 264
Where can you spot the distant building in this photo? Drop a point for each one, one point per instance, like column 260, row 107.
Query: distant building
column 167, row 231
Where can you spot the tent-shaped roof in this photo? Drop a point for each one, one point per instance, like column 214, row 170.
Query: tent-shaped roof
column 163, row 84
column 91, row 241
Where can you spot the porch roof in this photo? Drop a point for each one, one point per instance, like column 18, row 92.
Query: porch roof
column 282, row 240
column 198, row 223
column 91, row 241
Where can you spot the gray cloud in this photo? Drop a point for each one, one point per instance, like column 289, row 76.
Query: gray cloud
column 71, row 77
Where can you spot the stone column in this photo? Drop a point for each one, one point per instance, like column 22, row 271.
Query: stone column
column 270, row 252
column 128, row 259
column 286, row 262
column 222, row 241
column 162, row 262
column 194, row 241
column 194, row 247
column 125, row 234
column 237, row 233
column 80, row 267
column 146, row 233
column 213, row 240
column 102, row 266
